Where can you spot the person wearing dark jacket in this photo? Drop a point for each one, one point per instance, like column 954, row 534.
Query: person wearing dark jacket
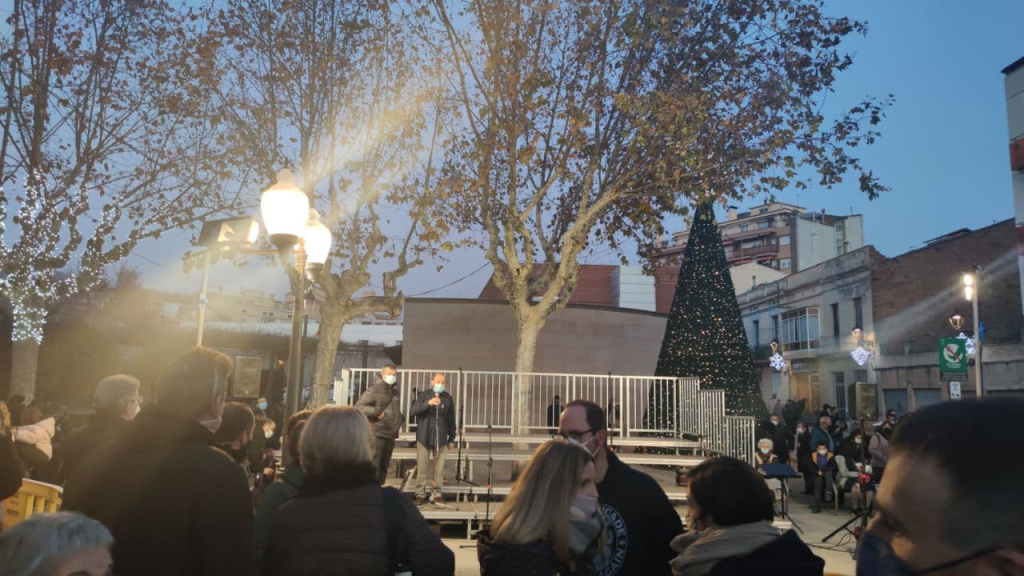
column 342, row 521
column 803, row 456
column 550, row 522
column 11, row 468
column 775, row 430
column 641, row 520
column 382, row 407
column 284, row 488
column 115, row 402
column 174, row 503
column 434, row 411
column 731, row 533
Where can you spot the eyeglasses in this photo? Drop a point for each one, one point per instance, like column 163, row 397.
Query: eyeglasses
column 574, row 436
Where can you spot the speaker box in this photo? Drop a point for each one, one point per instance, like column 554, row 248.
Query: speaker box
column 247, row 377
column 862, row 401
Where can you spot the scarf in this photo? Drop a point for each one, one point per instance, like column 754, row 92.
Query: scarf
column 717, row 543
column 583, row 532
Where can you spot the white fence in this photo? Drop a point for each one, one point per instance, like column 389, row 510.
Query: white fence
column 636, row 405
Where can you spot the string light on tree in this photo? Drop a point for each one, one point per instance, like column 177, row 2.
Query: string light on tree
column 704, row 335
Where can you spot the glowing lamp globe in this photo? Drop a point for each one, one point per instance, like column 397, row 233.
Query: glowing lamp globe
column 318, row 242
column 285, row 210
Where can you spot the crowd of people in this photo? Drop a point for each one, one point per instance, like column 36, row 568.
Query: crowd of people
column 174, row 488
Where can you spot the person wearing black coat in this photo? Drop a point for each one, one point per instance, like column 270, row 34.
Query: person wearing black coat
column 342, row 521
column 781, row 436
column 174, row 503
column 382, row 407
column 12, row 470
column 434, row 410
column 116, row 401
column 803, row 455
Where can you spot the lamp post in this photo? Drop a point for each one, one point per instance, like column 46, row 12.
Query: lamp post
column 972, row 292
column 295, row 229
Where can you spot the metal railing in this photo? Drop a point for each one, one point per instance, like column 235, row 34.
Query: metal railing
column 635, row 405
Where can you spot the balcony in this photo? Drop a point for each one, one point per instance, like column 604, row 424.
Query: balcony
column 767, row 251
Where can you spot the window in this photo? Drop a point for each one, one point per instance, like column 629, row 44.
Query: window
column 784, row 240
column 762, row 224
column 840, row 381
column 757, row 332
column 835, row 319
column 775, row 327
column 800, row 329
column 860, row 375
column 784, row 263
column 858, row 313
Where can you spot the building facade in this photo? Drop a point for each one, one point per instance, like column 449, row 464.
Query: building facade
column 781, row 236
column 894, row 309
column 1014, row 86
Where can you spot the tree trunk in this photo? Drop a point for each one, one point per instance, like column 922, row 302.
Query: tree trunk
column 24, row 361
column 326, row 355
column 530, row 326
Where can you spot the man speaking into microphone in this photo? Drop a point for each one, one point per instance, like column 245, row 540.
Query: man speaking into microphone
column 434, row 410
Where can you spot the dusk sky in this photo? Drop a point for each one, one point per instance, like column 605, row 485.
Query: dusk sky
column 943, row 150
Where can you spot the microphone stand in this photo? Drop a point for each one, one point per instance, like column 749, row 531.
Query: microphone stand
column 437, row 452
column 490, row 462
column 460, row 473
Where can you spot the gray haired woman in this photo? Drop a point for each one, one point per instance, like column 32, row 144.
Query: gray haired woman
column 57, row 544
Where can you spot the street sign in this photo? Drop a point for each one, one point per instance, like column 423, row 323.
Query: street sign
column 952, row 360
column 954, row 390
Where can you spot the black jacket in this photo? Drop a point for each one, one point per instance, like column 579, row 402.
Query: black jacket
column 382, row 398
column 102, row 428
column 173, row 502
column 781, row 437
column 11, row 468
column 431, row 418
column 336, row 525
column 785, row 556
column 640, row 521
column 534, row 559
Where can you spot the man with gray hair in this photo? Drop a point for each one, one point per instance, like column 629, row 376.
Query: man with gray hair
column 174, row 503
column 115, row 402
column 58, row 543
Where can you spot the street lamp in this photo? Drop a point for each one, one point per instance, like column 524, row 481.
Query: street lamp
column 956, row 321
column 295, row 228
column 972, row 292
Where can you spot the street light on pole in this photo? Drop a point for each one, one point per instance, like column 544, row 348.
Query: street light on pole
column 972, row 292
column 295, row 229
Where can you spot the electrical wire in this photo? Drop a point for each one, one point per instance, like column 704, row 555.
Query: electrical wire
column 154, row 263
column 452, row 283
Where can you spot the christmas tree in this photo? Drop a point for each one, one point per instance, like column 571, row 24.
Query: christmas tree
column 704, row 336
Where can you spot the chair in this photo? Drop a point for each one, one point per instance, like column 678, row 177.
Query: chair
column 33, row 498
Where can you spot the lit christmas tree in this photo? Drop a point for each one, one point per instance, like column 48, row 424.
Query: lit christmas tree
column 704, row 336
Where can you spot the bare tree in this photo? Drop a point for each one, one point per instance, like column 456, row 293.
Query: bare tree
column 104, row 145
column 336, row 90
column 586, row 122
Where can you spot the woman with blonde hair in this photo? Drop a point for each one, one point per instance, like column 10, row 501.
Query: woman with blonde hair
column 342, row 521
column 551, row 522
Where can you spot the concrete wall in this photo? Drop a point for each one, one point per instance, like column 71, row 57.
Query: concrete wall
column 479, row 335
column 814, row 243
column 1014, row 85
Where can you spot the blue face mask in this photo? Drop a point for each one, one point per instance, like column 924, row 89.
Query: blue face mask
column 876, row 558
column 438, row 388
column 262, row 405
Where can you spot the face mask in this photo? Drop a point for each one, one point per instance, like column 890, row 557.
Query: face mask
column 438, row 388
column 858, row 441
column 268, row 434
column 585, row 504
column 262, row 405
column 390, row 378
column 583, row 445
column 822, row 452
column 876, row 558
column 765, row 451
column 799, row 430
column 775, row 422
column 138, row 408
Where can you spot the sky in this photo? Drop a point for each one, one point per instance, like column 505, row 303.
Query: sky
column 943, row 150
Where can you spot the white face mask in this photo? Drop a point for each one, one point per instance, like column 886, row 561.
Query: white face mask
column 268, row 434
column 138, row 408
column 211, row 425
column 583, row 445
column 799, row 430
column 775, row 422
column 822, row 451
column 765, row 451
column 857, row 441
column 390, row 379
column 585, row 504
